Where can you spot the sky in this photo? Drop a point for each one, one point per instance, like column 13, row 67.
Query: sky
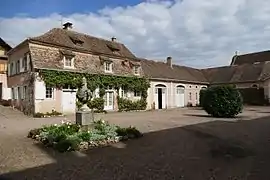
column 196, row 33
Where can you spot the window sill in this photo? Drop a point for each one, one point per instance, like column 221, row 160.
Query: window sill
column 69, row 67
column 108, row 72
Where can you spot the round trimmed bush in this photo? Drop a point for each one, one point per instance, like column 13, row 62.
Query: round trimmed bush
column 222, row 101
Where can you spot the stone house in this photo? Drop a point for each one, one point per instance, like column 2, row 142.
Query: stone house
column 178, row 86
column 4, row 90
column 172, row 85
column 65, row 50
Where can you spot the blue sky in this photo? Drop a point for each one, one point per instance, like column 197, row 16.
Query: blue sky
column 196, row 33
column 38, row 8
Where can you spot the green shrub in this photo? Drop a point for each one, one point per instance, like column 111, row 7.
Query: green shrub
column 70, row 143
column 201, row 98
column 96, row 103
column 34, row 132
column 130, row 132
column 38, row 115
column 104, row 128
column 84, row 135
column 128, row 105
column 222, row 101
column 68, row 137
column 41, row 115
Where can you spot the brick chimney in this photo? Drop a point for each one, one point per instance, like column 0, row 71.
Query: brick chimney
column 169, row 61
column 113, row 39
column 67, row 26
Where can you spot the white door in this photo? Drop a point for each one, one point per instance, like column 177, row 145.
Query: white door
column 180, row 96
column 109, row 100
column 69, row 101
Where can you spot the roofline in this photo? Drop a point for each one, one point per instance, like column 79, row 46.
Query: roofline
column 178, row 80
column 16, row 47
column 78, row 50
column 253, row 81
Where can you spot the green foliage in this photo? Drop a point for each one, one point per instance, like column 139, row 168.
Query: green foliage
column 104, row 128
column 202, row 95
column 130, row 132
column 79, row 104
column 68, row 137
column 222, row 101
column 96, row 104
column 128, row 105
column 47, row 114
column 70, row 143
column 62, row 78
column 34, row 132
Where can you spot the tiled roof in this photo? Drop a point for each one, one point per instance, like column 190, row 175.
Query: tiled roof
column 239, row 73
column 80, row 41
column 251, row 58
column 161, row 70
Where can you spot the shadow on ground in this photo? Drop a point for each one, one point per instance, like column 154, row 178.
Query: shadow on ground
column 219, row 149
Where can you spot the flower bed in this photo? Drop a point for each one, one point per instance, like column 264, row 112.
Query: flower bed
column 70, row 137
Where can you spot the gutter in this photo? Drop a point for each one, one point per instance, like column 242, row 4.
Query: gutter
column 177, row 80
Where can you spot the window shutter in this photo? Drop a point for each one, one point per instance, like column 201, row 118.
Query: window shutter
column 40, row 90
column 27, row 61
column 21, row 65
column 8, row 69
column 16, row 92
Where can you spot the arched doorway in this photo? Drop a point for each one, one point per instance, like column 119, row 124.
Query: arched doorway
column 160, row 96
column 180, row 96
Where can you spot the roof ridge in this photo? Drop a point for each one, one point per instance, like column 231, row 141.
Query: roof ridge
column 84, row 34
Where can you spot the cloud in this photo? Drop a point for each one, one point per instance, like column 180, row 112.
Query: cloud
column 195, row 33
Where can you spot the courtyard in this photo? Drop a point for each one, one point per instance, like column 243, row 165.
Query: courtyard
column 176, row 145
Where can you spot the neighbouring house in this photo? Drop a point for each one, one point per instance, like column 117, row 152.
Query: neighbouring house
column 5, row 93
column 172, row 85
column 64, row 50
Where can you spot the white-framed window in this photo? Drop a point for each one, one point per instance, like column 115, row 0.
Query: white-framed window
column 136, row 70
column 23, row 92
column 180, row 90
column 108, row 66
column 137, row 94
column 12, row 93
column 24, row 62
column 18, row 67
column 124, row 93
column 15, row 91
column 49, row 93
column 11, row 71
column 69, row 61
column 19, row 93
column 190, row 96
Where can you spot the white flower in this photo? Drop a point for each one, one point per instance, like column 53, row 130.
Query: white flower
column 63, row 122
column 88, row 131
column 55, row 125
column 68, row 126
column 103, row 121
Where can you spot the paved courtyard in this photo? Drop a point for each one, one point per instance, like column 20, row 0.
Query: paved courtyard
column 176, row 145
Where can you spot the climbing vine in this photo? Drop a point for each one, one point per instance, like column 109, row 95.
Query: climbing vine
column 60, row 79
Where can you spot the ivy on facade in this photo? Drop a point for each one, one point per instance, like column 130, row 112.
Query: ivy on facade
column 59, row 79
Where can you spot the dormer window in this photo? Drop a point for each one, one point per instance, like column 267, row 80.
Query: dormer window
column 108, row 66
column 68, row 62
column 136, row 70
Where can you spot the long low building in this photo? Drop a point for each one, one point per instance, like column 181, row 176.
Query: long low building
column 65, row 50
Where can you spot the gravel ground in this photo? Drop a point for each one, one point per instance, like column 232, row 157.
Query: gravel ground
column 176, row 145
